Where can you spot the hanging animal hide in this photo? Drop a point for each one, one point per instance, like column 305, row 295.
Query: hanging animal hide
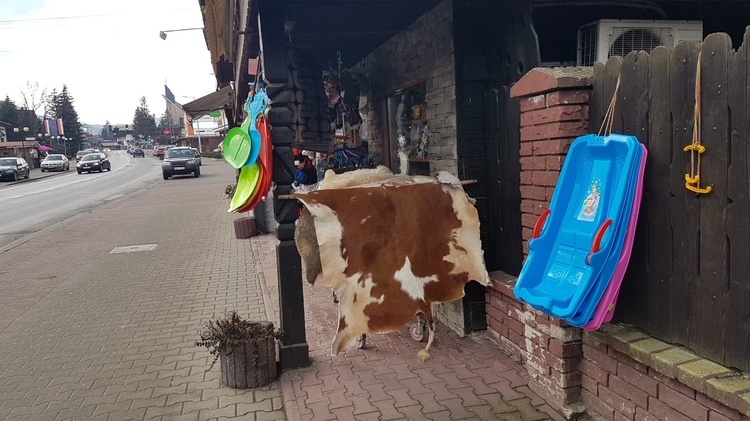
column 389, row 246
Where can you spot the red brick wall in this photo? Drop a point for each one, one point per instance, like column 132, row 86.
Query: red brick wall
column 617, row 387
column 504, row 323
column 549, row 348
column 549, row 123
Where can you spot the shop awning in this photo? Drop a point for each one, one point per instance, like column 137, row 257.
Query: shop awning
column 219, row 100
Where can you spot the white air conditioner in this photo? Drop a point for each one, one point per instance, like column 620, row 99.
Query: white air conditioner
column 600, row 40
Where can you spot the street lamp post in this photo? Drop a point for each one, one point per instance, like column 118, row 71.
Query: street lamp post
column 41, row 137
column 163, row 34
column 65, row 143
column 23, row 138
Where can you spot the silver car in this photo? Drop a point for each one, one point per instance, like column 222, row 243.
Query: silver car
column 55, row 162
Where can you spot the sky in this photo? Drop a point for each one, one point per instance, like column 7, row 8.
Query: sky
column 108, row 53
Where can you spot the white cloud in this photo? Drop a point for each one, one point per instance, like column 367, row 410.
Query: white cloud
column 107, row 52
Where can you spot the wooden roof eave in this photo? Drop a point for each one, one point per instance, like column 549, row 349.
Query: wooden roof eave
column 213, row 22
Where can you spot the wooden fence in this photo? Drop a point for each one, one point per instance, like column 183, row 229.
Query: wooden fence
column 688, row 281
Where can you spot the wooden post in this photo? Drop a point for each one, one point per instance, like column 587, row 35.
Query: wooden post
column 293, row 351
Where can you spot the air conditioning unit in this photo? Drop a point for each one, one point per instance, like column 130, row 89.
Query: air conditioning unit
column 600, row 40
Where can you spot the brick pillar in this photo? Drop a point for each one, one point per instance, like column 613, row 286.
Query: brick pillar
column 554, row 111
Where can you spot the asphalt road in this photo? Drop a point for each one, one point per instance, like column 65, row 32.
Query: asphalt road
column 29, row 206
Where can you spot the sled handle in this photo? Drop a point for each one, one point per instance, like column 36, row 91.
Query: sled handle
column 539, row 225
column 598, row 240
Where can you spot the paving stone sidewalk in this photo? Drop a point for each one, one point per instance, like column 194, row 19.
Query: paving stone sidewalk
column 89, row 335
column 466, row 378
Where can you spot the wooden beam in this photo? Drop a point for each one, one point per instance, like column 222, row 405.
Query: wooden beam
column 272, row 42
column 291, row 196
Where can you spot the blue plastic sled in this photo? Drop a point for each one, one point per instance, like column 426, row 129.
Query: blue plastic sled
column 591, row 301
column 586, row 211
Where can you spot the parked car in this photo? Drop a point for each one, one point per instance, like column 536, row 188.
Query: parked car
column 13, row 168
column 180, row 160
column 139, row 152
column 55, row 162
column 94, row 162
column 197, row 156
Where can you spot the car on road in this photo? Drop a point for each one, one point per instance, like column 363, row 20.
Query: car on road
column 180, row 160
column 93, row 162
column 55, row 162
column 139, row 152
column 197, row 156
column 80, row 155
column 13, row 168
column 159, row 152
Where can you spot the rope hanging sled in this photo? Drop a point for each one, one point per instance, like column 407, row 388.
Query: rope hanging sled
column 609, row 117
column 693, row 180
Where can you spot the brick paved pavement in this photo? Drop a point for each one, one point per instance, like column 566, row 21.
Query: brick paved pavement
column 111, row 336
column 466, row 378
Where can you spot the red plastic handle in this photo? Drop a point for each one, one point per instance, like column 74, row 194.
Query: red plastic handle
column 540, row 224
column 598, row 239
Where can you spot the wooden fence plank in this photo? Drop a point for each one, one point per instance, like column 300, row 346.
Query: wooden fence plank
column 625, row 111
column 657, row 184
column 695, row 288
column 511, row 193
column 611, row 71
column 713, row 223
column 494, row 188
column 738, row 225
column 684, row 206
column 632, row 110
column 597, row 106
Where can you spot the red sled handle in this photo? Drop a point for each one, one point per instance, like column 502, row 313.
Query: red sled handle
column 540, row 224
column 598, row 239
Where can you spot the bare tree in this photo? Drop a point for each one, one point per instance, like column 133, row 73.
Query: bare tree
column 33, row 96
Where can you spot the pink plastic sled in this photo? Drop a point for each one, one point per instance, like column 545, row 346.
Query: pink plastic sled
column 606, row 307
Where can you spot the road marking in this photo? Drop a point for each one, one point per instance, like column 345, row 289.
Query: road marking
column 88, row 178
column 130, row 249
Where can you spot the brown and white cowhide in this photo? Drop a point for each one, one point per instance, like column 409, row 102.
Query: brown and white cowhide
column 390, row 246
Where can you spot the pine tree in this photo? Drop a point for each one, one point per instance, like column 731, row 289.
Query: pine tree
column 9, row 114
column 144, row 123
column 61, row 106
column 165, row 123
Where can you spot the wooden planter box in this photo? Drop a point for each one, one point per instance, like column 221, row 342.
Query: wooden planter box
column 244, row 227
column 250, row 366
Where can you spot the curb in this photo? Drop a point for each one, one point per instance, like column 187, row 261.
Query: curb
column 29, row 180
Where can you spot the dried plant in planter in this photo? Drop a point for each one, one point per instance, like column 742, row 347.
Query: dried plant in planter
column 230, row 189
column 247, row 350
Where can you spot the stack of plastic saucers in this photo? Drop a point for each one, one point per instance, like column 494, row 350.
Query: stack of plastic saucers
column 248, row 148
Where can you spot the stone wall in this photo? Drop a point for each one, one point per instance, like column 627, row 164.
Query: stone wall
column 421, row 53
